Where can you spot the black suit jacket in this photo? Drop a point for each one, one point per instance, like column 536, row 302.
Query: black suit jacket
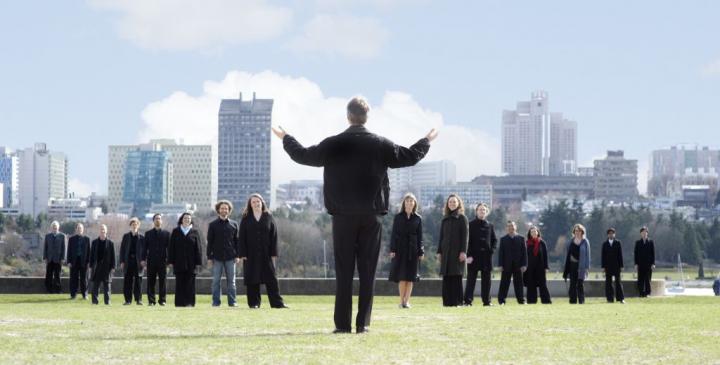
column 612, row 257
column 512, row 254
column 644, row 253
column 156, row 246
column 102, row 267
column 139, row 249
column 482, row 244
column 84, row 250
column 356, row 163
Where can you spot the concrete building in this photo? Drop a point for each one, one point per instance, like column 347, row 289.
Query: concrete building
column 73, row 210
column 508, row 190
column 677, row 166
column 536, row 141
column 470, row 193
column 170, row 211
column 410, row 179
column 9, row 178
column 43, row 175
column 193, row 172
column 244, row 149
column 616, row 178
column 299, row 192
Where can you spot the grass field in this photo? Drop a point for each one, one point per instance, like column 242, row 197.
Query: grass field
column 50, row 329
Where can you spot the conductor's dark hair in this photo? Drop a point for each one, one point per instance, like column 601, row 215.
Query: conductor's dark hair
column 183, row 216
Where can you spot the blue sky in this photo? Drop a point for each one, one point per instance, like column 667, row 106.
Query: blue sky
column 635, row 75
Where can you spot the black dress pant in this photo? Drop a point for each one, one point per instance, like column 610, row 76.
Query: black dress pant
column 273, row 293
column 537, row 282
column 78, row 277
column 516, row 276
column 644, row 278
column 52, row 277
column 452, row 292
column 156, row 271
column 132, row 283
column 576, row 291
column 184, row 289
column 484, row 285
column 611, row 294
column 356, row 239
column 96, row 288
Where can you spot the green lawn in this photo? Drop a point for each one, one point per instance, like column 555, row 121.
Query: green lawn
column 53, row 330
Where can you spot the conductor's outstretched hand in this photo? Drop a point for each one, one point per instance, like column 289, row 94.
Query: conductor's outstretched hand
column 279, row 131
column 431, row 135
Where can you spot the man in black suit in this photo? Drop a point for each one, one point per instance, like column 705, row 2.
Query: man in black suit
column 482, row 244
column 132, row 261
column 356, row 190
column 157, row 241
column 512, row 259
column 644, row 262
column 78, row 256
column 612, row 264
column 102, row 265
column 53, row 254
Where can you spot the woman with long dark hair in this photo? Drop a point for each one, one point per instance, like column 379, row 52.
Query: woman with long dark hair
column 258, row 250
column 451, row 250
column 406, row 248
column 535, row 276
column 184, row 256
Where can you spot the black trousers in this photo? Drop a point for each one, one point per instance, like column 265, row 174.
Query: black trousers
column 611, row 294
column 484, row 285
column 184, row 289
column 78, row 277
column 132, row 283
column 273, row 293
column 106, row 290
column 538, row 282
column 356, row 239
column 517, row 280
column 576, row 292
column 52, row 277
column 452, row 291
column 156, row 271
column 643, row 282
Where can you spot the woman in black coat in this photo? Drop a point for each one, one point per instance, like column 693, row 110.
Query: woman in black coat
column 184, row 256
column 451, row 251
column 535, row 276
column 258, row 250
column 406, row 248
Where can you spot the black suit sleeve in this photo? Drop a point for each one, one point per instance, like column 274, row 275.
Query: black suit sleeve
column 393, row 235
column 171, row 249
column 273, row 238
column 439, row 250
column 637, row 253
column 198, row 254
column 523, row 249
column 310, row 156
column 236, row 240
column 464, row 234
column 543, row 247
column 493, row 239
column 419, row 233
column 471, row 239
column 123, row 247
column 243, row 239
column 620, row 255
column 399, row 156
column 91, row 259
column 652, row 252
column 112, row 255
column 87, row 251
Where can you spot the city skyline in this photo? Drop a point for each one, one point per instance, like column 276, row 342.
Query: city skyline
column 627, row 78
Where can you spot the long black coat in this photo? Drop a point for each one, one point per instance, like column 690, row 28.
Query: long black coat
column 101, row 267
column 184, row 251
column 156, row 246
column 139, row 249
column 453, row 241
column 73, row 243
column 258, row 245
column 406, row 243
column 535, row 274
column 54, row 247
column 512, row 254
column 612, row 257
column 356, row 163
column 644, row 253
column 481, row 245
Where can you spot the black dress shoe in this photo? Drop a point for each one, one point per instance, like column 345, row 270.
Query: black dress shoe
column 254, row 307
column 152, row 304
column 362, row 330
column 338, row 331
column 487, row 305
column 162, row 304
column 127, row 303
column 282, row 306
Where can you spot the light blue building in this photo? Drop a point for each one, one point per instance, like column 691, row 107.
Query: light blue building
column 8, row 178
column 148, row 180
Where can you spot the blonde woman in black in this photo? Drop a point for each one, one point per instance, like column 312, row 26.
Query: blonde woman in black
column 406, row 248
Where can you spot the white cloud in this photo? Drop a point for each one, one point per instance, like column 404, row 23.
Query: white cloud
column 712, row 69
column 81, row 189
column 345, row 35
column 305, row 112
column 190, row 24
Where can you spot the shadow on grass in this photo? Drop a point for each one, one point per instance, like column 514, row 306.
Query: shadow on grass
column 205, row 336
column 39, row 300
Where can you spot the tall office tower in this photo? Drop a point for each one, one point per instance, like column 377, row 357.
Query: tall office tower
column 9, row 171
column 42, row 175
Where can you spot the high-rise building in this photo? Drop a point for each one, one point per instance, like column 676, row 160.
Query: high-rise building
column 616, row 178
column 43, row 175
column 410, row 179
column 193, row 172
column 244, row 149
column 9, row 171
column 672, row 168
column 536, row 141
column 148, row 180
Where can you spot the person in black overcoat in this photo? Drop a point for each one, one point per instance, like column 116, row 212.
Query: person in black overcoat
column 482, row 243
column 132, row 262
column 78, row 256
column 184, row 256
column 612, row 264
column 452, row 251
column 406, row 248
column 54, row 255
column 356, row 190
column 259, row 251
column 157, row 241
column 644, row 262
column 512, row 259
column 535, row 276
column 102, row 265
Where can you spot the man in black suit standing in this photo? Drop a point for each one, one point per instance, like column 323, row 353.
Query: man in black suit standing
column 482, row 244
column 512, row 259
column 132, row 261
column 53, row 254
column 78, row 257
column 156, row 249
column 612, row 264
column 644, row 262
column 356, row 190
